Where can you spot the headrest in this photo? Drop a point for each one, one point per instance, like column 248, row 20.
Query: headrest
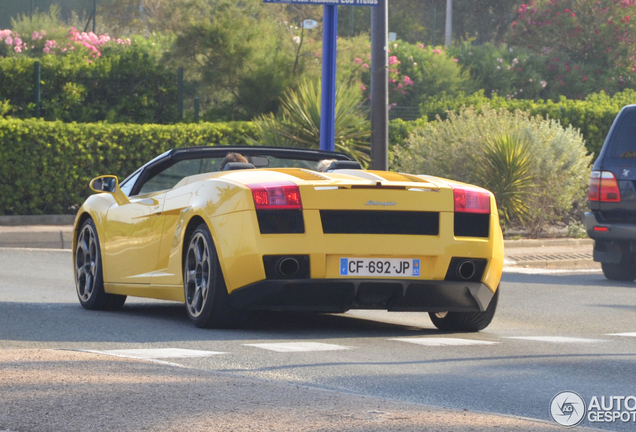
column 230, row 166
column 340, row 164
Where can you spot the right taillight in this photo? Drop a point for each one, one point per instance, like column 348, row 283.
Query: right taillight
column 604, row 187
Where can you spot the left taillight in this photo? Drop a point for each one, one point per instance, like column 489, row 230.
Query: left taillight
column 604, row 187
column 469, row 200
column 276, row 196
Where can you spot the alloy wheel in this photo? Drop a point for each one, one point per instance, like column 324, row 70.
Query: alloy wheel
column 86, row 263
column 197, row 274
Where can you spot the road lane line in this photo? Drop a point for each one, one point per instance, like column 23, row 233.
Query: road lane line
column 556, row 339
column 299, row 346
column 157, row 353
column 622, row 334
column 444, row 341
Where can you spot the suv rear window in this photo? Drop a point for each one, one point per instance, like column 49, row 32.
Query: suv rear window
column 623, row 143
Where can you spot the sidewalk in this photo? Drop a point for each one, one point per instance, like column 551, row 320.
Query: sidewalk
column 550, row 253
column 56, row 232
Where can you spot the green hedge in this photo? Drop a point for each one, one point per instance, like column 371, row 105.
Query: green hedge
column 593, row 116
column 45, row 167
column 128, row 85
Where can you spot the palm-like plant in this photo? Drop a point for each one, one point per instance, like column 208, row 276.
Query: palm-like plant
column 507, row 172
column 298, row 125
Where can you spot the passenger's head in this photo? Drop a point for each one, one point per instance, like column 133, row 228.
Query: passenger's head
column 232, row 157
column 324, row 165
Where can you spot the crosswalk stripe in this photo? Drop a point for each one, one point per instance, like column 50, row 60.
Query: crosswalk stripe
column 157, row 353
column 435, row 341
column 556, row 339
column 299, row 346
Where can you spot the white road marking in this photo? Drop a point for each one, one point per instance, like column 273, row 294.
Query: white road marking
column 157, row 353
column 622, row 334
column 547, row 271
column 443, row 341
column 556, row 339
column 299, row 346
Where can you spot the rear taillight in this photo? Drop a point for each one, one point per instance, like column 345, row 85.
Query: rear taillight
column 471, row 201
column 603, row 187
column 276, row 196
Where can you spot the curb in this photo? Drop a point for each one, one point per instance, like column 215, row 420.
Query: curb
column 53, row 238
column 555, row 264
column 530, row 243
column 31, row 220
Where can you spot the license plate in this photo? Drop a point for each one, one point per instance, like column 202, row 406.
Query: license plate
column 379, row 267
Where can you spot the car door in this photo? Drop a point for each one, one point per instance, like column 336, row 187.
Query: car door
column 133, row 236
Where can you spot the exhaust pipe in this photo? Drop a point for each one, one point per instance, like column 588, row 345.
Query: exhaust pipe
column 287, row 267
column 466, row 270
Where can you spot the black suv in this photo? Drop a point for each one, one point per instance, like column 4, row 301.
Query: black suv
column 612, row 199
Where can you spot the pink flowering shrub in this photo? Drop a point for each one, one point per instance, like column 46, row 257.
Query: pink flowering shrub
column 417, row 72
column 599, row 31
column 37, row 44
column 584, row 46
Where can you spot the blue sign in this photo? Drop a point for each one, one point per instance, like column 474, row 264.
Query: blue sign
column 329, row 2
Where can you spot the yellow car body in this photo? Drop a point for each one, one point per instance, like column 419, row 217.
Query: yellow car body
column 143, row 238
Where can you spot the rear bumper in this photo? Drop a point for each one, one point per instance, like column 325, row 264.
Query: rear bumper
column 340, row 295
column 610, row 245
column 615, row 231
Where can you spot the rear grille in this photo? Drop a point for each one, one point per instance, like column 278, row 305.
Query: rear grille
column 472, row 225
column 280, row 221
column 379, row 222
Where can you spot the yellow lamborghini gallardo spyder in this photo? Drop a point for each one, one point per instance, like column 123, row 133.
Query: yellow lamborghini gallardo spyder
column 288, row 229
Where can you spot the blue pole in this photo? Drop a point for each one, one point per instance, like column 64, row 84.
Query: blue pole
column 328, row 97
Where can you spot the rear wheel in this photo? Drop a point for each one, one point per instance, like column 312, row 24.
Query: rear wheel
column 625, row 270
column 89, row 277
column 466, row 321
column 207, row 300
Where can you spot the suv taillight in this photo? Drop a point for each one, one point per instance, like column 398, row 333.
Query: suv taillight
column 471, row 201
column 276, row 196
column 604, row 187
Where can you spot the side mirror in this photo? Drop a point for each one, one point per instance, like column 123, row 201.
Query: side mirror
column 109, row 184
column 106, row 183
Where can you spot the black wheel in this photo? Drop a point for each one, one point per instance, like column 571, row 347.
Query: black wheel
column 466, row 321
column 624, row 270
column 206, row 297
column 89, row 278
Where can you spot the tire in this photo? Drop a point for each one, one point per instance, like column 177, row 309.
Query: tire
column 466, row 321
column 206, row 296
column 89, row 277
column 623, row 271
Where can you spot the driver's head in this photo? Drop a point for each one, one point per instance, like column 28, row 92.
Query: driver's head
column 232, row 157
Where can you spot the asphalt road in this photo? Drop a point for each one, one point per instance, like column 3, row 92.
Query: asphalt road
column 504, row 369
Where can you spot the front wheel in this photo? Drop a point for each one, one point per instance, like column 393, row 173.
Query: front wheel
column 207, row 300
column 466, row 321
column 89, row 277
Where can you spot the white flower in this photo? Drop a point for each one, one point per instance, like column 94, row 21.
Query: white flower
column 544, row 84
column 296, row 40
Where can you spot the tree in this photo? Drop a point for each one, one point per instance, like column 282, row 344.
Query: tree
column 240, row 55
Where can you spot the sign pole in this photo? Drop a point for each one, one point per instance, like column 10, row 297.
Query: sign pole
column 328, row 91
column 380, row 87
